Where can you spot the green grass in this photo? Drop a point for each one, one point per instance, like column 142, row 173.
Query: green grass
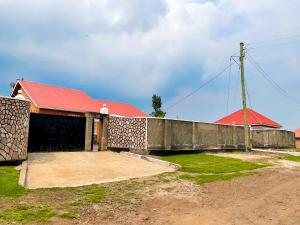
column 70, row 214
column 202, row 179
column 202, row 163
column 25, row 214
column 9, row 186
column 202, row 168
column 94, row 193
column 292, row 158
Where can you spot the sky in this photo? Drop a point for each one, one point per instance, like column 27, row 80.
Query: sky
column 128, row 50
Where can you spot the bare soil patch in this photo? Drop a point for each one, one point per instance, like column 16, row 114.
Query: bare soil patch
column 269, row 196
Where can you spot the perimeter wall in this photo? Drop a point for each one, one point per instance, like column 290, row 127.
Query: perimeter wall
column 14, row 127
column 153, row 134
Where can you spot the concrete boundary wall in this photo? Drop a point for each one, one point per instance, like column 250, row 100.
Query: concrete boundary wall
column 273, row 139
column 167, row 134
column 179, row 135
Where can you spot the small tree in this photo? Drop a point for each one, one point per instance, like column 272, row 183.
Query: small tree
column 156, row 104
column 12, row 85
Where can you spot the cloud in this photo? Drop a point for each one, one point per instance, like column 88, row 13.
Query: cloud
column 136, row 48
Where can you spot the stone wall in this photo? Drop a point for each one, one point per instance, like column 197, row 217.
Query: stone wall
column 14, row 127
column 127, row 133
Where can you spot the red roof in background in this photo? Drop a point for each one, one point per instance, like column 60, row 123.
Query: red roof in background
column 66, row 99
column 297, row 133
column 254, row 118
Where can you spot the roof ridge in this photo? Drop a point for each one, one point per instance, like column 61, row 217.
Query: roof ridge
column 52, row 85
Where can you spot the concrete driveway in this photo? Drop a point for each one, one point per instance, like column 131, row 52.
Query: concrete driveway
column 70, row 169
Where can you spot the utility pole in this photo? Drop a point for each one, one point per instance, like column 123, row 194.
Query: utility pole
column 246, row 131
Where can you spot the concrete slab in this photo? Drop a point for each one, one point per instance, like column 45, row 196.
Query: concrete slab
column 70, row 169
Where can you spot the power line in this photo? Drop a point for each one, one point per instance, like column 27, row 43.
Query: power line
column 275, row 44
column 236, row 88
column 248, row 96
column 203, row 85
column 270, row 80
column 274, row 40
column 228, row 88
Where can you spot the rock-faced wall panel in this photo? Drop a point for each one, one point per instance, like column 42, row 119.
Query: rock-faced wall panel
column 14, row 127
column 127, row 132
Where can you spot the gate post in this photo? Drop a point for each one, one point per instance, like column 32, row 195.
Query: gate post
column 103, row 131
column 88, row 132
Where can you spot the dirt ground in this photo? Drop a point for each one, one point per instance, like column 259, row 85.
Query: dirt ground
column 271, row 196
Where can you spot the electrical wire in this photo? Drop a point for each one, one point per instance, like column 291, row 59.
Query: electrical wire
column 270, row 80
column 228, row 88
column 274, row 40
column 235, row 96
column 199, row 88
column 274, row 45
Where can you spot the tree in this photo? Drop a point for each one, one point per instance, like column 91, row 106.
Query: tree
column 156, row 104
column 12, row 85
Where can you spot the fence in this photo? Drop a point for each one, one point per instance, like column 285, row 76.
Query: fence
column 272, row 139
column 14, row 124
column 152, row 134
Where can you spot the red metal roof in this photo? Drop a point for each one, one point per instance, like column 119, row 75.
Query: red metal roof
column 254, row 118
column 66, row 99
column 297, row 133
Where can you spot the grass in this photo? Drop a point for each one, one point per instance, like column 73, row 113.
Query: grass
column 292, row 158
column 203, row 168
column 67, row 202
column 25, row 214
column 70, row 214
column 202, row 163
column 202, row 179
column 94, row 193
column 9, row 186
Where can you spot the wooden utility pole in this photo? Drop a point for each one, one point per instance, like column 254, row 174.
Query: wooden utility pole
column 246, row 128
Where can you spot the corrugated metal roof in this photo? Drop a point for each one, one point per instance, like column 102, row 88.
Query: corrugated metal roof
column 297, row 133
column 254, row 118
column 66, row 99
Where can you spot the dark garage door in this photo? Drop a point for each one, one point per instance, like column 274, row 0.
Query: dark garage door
column 56, row 133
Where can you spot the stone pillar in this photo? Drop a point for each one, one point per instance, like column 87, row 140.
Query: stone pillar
column 88, row 132
column 103, row 128
column 100, row 131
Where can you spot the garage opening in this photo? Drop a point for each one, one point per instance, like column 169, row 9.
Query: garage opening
column 54, row 133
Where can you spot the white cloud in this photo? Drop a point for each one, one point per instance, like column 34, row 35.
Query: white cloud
column 133, row 46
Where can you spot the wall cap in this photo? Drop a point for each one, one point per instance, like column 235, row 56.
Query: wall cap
column 7, row 97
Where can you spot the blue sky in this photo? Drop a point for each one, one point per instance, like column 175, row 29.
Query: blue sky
column 127, row 50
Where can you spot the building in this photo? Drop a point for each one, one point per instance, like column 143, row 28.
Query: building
column 49, row 99
column 297, row 137
column 255, row 120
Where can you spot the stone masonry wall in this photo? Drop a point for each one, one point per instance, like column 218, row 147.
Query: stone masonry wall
column 126, row 132
column 14, row 128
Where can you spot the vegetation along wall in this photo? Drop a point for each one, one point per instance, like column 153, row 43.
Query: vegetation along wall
column 14, row 127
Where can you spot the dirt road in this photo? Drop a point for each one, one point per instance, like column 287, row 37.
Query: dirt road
column 272, row 196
